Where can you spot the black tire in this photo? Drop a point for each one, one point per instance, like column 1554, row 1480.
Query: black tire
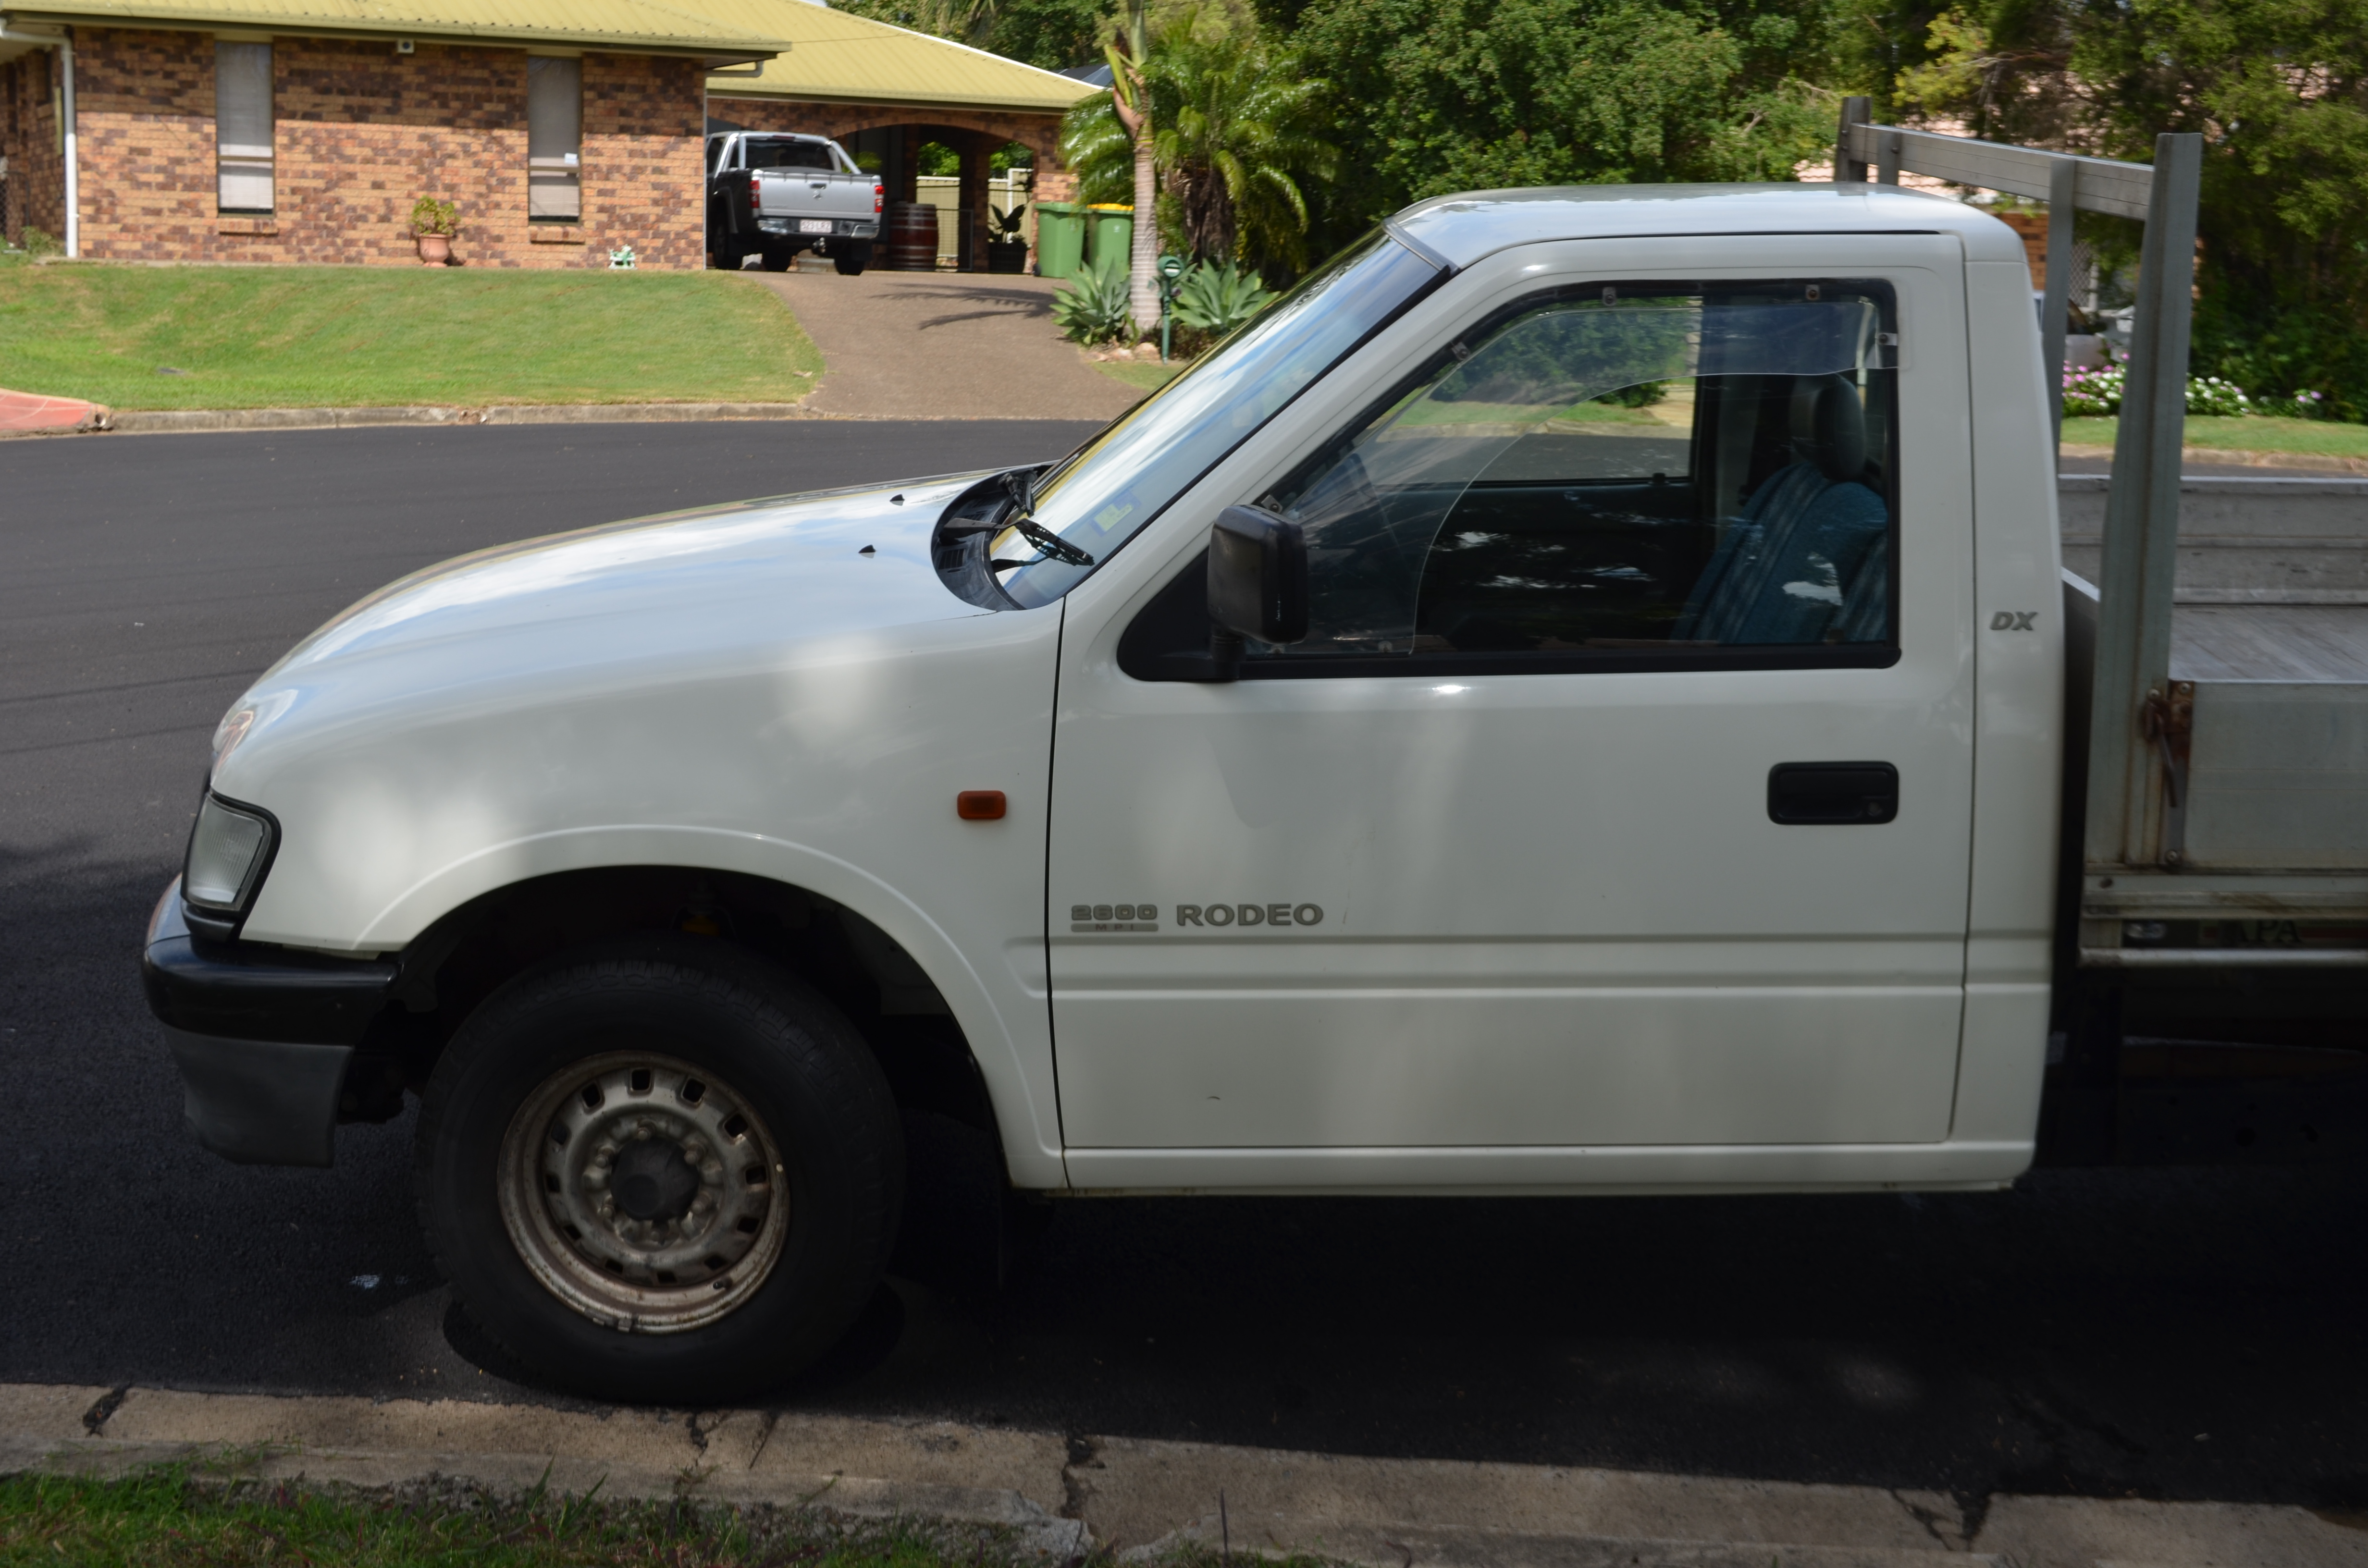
column 853, row 259
column 778, row 257
column 810, row 1096
column 725, row 254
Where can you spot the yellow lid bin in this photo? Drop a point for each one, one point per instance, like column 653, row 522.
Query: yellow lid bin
column 1109, row 232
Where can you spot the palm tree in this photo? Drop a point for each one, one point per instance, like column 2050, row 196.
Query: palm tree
column 1129, row 102
column 1232, row 134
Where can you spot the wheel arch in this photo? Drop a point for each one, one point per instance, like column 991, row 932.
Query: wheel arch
column 915, row 995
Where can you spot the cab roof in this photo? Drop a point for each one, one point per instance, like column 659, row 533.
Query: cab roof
column 1461, row 229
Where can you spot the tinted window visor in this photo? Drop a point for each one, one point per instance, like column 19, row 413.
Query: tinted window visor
column 1115, row 484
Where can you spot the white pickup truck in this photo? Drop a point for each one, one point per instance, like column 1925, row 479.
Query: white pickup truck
column 772, row 194
column 1376, row 763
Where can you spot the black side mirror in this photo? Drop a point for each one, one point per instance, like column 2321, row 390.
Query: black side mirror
column 1257, row 583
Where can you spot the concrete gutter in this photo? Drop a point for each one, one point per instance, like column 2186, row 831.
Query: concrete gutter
column 2327, row 463
column 180, row 421
column 1064, row 1495
column 150, row 421
column 31, row 414
column 158, row 422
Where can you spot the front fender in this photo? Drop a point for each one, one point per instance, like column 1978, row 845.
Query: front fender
column 998, row 994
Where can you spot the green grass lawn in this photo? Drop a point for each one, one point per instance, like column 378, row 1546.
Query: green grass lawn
column 178, row 1517
column 1142, row 375
column 363, row 336
column 166, row 1519
column 2251, row 433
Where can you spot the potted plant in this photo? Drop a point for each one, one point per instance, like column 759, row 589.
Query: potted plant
column 433, row 224
column 1007, row 250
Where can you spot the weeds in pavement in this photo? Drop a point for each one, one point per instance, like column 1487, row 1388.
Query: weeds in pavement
column 186, row 1516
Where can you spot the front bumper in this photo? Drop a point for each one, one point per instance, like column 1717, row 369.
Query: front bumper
column 263, row 1035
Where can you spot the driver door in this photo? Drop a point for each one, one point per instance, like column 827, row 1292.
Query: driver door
column 1621, row 793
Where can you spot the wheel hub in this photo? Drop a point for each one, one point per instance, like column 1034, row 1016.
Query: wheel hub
column 653, row 1180
column 643, row 1192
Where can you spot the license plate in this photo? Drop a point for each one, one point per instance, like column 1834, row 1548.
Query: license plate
column 814, row 225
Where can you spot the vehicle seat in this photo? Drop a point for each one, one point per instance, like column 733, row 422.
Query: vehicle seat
column 1807, row 561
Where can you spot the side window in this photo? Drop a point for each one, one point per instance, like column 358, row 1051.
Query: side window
column 243, row 127
column 1615, row 472
column 554, row 139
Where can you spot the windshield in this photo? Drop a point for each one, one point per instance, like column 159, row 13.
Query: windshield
column 1109, row 488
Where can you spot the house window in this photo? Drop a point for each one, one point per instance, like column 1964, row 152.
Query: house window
column 554, row 139
column 243, row 127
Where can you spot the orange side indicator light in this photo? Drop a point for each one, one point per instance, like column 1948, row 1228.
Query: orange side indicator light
column 979, row 805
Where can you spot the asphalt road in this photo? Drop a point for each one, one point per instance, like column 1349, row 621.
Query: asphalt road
column 2180, row 1335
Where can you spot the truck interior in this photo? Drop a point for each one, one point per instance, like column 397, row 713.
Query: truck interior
column 1607, row 468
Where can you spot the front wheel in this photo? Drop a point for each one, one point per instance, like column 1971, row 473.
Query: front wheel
column 851, row 260
column 778, row 257
column 660, row 1172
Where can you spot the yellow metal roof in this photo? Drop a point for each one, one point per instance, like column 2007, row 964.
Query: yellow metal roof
column 838, row 57
column 733, row 30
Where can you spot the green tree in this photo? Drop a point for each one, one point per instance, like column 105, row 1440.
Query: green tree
column 1052, row 35
column 1235, row 136
column 1457, row 95
column 2279, row 90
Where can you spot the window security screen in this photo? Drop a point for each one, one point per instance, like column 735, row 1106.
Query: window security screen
column 554, row 139
column 243, row 127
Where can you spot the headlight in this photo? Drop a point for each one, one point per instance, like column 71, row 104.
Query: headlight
column 227, row 854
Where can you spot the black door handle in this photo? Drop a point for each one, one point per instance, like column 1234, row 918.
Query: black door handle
column 1833, row 792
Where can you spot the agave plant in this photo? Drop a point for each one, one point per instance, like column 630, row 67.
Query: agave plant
column 1093, row 308
column 1216, row 300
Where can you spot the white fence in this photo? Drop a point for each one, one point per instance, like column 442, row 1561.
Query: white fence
column 944, row 193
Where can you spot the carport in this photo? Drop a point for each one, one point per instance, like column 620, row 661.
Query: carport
column 886, row 92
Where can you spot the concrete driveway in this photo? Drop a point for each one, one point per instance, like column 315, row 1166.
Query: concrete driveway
column 943, row 346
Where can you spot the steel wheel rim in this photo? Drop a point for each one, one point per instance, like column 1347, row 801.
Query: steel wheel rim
column 577, row 1183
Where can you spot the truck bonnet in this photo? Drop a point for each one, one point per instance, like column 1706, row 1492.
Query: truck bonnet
column 719, row 584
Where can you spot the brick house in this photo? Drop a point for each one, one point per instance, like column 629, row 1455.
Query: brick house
column 258, row 131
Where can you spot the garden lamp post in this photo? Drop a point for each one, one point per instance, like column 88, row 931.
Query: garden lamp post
column 1171, row 273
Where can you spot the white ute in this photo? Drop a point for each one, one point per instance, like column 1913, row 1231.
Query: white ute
column 1570, row 701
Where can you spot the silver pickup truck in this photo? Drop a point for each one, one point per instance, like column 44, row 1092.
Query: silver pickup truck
column 772, row 195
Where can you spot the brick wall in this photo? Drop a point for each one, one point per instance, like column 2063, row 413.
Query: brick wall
column 644, row 158
column 362, row 132
column 2033, row 229
column 29, row 139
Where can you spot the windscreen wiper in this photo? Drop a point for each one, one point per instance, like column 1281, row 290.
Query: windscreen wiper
column 1021, row 482
column 1051, row 543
